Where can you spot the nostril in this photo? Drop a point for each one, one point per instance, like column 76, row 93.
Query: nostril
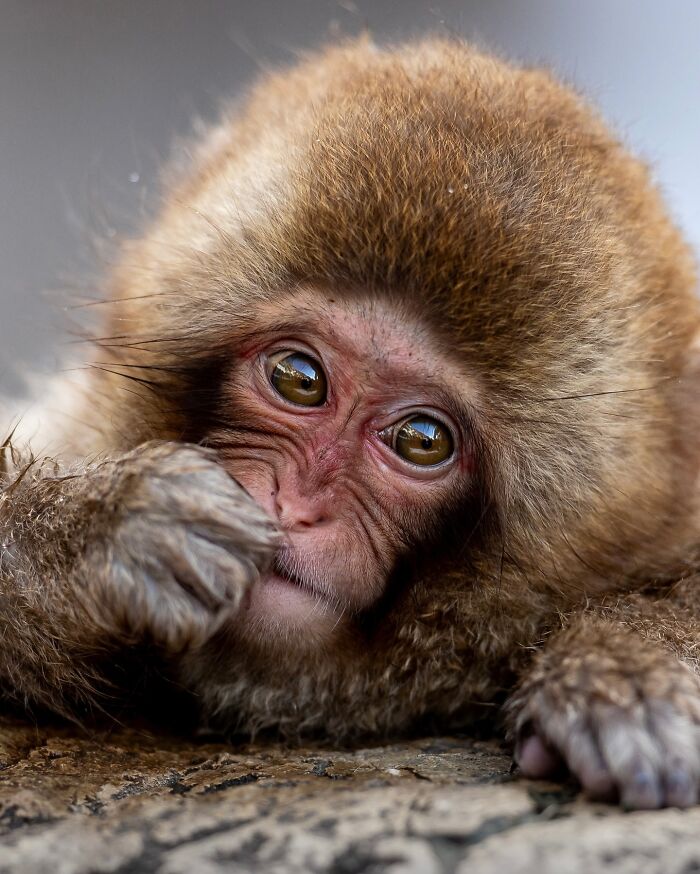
column 302, row 521
column 298, row 508
column 299, row 516
column 309, row 521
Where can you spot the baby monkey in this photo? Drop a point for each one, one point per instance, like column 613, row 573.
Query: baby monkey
column 390, row 426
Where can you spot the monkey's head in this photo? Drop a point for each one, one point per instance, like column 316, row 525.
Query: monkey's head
column 434, row 318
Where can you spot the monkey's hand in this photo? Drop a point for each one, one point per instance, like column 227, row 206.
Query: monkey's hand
column 175, row 546
column 621, row 712
column 156, row 545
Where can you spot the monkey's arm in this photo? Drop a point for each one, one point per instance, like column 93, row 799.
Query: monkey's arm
column 615, row 696
column 153, row 546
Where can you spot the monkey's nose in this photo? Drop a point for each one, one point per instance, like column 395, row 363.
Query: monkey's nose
column 297, row 513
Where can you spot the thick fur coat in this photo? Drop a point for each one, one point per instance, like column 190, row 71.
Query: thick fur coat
column 493, row 204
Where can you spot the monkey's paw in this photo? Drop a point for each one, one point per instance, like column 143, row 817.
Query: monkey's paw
column 621, row 713
column 178, row 546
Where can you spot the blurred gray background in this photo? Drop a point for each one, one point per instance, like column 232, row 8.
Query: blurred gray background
column 92, row 93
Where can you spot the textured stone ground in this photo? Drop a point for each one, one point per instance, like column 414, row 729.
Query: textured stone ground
column 130, row 803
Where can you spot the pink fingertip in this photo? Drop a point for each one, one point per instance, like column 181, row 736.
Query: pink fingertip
column 535, row 759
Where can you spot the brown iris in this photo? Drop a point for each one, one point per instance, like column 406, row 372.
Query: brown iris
column 299, row 379
column 423, row 440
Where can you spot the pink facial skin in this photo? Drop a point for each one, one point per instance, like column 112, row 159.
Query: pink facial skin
column 347, row 504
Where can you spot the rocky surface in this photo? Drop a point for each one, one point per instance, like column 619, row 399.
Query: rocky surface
column 129, row 802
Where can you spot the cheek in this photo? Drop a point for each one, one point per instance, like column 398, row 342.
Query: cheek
column 406, row 503
column 256, row 478
column 373, row 518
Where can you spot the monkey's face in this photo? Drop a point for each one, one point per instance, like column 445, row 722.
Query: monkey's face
column 348, row 426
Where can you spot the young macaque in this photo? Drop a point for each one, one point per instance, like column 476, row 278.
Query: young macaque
column 391, row 425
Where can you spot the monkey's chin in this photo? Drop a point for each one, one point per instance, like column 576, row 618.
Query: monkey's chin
column 278, row 605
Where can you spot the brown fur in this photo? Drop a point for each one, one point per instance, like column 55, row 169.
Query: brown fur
column 492, row 203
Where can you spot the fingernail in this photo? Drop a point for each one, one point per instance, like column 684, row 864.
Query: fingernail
column 643, row 793
column 681, row 790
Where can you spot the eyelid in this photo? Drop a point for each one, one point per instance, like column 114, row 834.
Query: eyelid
column 440, row 416
column 292, row 344
column 271, row 358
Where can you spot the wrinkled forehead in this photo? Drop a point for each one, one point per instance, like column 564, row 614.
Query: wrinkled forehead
column 352, row 322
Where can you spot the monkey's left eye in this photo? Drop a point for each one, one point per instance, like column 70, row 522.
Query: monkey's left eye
column 298, row 379
column 423, row 440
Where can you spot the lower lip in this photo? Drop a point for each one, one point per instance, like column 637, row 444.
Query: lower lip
column 286, row 602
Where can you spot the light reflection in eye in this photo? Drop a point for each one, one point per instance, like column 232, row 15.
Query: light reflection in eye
column 299, row 379
column 424, row 440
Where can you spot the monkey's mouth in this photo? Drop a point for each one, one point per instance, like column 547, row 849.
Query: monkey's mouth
column 288, row 599
column 281, row 569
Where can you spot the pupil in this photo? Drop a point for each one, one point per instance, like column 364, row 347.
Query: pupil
column 305, row 382
column 426, row 443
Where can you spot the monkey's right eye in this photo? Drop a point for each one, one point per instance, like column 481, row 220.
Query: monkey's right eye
column 298, row 379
